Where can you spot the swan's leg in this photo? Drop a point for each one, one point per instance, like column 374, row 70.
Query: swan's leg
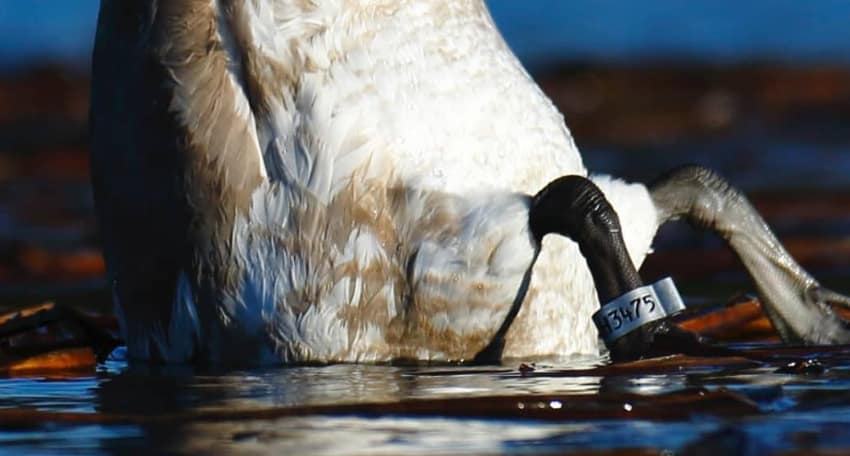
column 573, row 206
column 796, row 304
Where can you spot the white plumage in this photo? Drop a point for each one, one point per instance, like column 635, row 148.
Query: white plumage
column 396, row 143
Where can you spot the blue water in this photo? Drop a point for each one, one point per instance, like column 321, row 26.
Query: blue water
column 540, row 31
column 707, row 30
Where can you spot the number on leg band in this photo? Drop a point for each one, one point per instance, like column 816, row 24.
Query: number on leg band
column 637, row 308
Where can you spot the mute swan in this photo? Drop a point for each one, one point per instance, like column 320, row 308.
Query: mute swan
column 285, row 181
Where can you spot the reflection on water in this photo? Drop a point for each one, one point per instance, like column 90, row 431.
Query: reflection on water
column 785, row 410
column 168, row 389
column 349, row 435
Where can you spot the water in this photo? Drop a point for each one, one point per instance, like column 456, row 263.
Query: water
column 540, row 31
column 543, row 31
column 726, row 406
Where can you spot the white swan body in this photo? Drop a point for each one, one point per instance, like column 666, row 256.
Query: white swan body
column 368, row 165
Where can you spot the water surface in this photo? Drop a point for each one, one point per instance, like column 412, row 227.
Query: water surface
column 730, row 407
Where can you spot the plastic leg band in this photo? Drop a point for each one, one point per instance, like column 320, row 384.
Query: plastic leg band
column 637, row 308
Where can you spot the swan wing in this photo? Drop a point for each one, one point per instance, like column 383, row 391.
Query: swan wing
column 174, row 155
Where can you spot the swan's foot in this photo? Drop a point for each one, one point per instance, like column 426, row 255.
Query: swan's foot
column 798, row 307
column 573, row 206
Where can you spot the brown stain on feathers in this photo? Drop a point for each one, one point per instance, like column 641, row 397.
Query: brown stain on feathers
column 389, row 297
column 218, row 89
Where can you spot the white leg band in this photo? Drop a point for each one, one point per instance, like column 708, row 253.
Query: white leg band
column 637, row 308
